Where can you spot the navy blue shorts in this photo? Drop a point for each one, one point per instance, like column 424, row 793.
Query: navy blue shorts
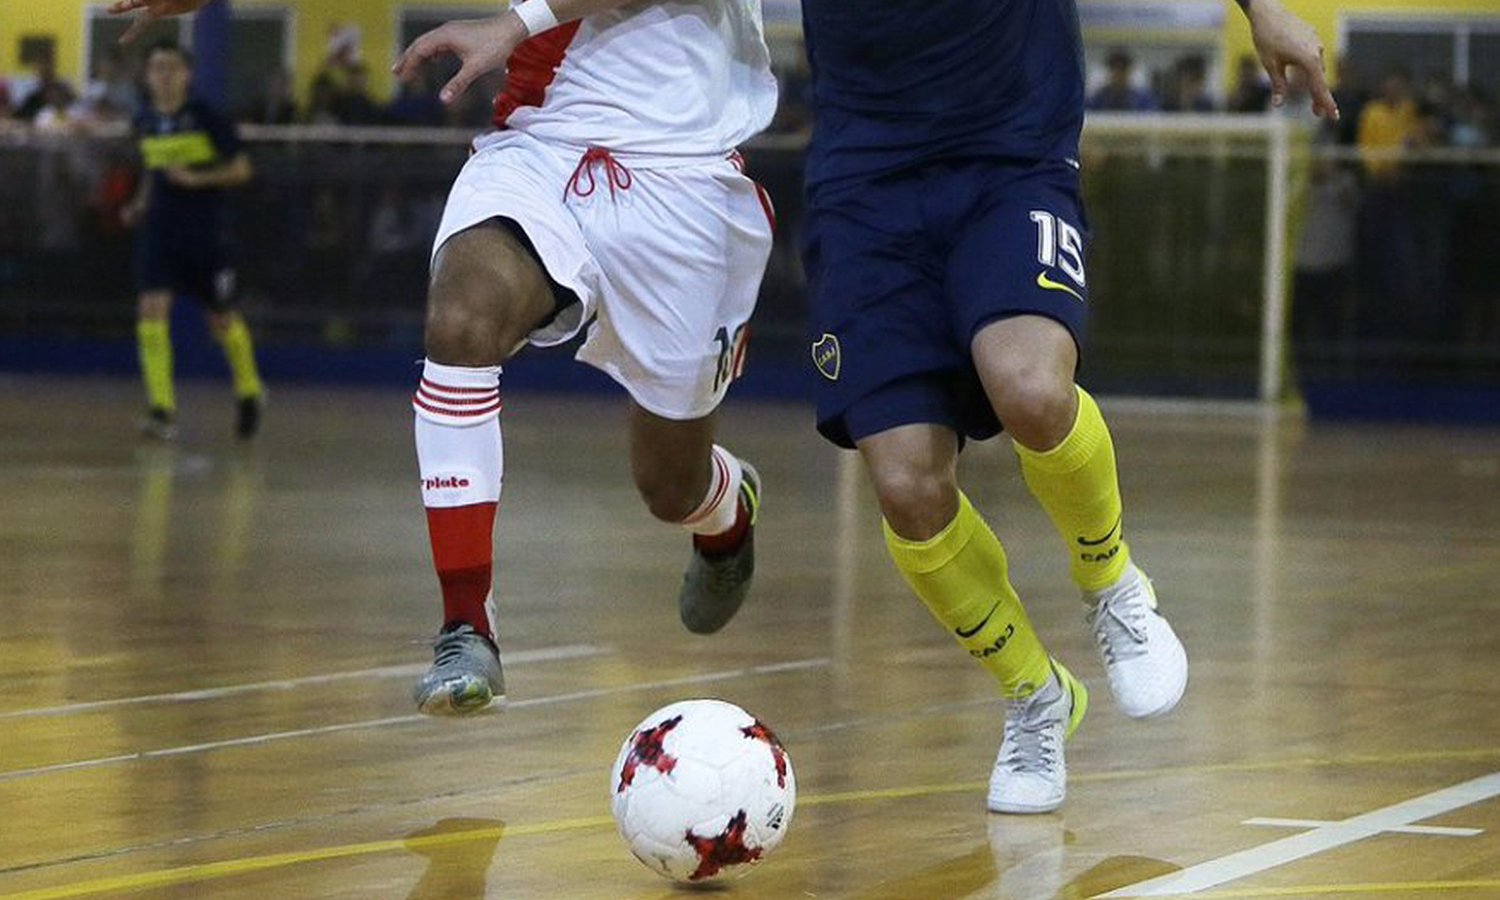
column 187, row 264
column 904, row 270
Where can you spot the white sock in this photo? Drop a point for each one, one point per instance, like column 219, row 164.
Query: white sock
column 459, row 448
column 716, row 514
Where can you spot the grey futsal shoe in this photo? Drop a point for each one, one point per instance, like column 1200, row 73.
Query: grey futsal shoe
column 465, row 676
column 714, row 587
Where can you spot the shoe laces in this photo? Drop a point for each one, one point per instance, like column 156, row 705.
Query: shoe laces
column 452, row 645
column 1120, row 622
column 1032, row 740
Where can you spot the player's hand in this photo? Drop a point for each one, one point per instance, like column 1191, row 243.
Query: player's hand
column 183, row 177
column 481, row 45
column 1282, row 40
column 151, row 10
column 131, row 213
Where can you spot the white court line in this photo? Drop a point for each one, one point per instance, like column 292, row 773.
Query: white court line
column 1268, row 856
column 1439, row 830
column 541, row 654
column 253, row 740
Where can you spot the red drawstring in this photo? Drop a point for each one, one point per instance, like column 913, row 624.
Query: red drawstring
column 617, row 175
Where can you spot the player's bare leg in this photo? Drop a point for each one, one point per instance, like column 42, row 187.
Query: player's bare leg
column 487, row 293
column 1026, row 364
column 154, row 345
column 685, row 478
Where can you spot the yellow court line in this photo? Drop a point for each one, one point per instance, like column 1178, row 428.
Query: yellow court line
column 1382, row 887
column 231, row 867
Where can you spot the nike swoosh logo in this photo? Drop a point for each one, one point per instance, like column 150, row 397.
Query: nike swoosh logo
column 1042, row 281
column 963, row 633
column 1107, row 535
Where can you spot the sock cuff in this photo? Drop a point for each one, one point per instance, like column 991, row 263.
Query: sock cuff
column 723, row 487
column 1084, row 439
column 458, row 395
column 922, row 557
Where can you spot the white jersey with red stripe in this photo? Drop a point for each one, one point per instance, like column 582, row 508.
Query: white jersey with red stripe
column 656, row 80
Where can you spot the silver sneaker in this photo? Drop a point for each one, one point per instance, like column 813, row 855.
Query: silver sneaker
column 1147, row 665
column 465, row 676
column 714, row 588
column 1031, row 773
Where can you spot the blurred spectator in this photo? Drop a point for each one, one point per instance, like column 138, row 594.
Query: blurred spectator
column 417, row 102
column 275, row 106
column 1186, row 88
column 1351, row 94
column 794, row 100
column 110, row 94
column 352, row 105
column 1119, row 93
column 320, row 103
column 1473, row 120
column 1251, row 93
column 37, row 98
column 1387, row 124
column 57, row 113
column 1325, row 251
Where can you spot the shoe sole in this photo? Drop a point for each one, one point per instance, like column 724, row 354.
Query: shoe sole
column 442, row 705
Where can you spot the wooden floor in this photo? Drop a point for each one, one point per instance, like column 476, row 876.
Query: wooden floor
column 207, row 653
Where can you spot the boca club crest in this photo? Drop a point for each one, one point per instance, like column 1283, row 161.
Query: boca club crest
column 825, row 355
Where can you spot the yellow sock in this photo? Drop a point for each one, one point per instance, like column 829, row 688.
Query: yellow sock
column 240, row 353
column 154, row 343
column 961, row 575
column 1077, row 485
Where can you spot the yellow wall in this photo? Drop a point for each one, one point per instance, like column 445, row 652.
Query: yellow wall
column 377, row 19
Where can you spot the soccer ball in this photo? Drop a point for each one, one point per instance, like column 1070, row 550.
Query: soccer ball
column 701, row 787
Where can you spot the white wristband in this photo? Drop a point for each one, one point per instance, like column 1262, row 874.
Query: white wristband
column 536, row 15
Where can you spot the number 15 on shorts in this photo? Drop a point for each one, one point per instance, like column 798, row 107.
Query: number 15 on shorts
column 1058, row 245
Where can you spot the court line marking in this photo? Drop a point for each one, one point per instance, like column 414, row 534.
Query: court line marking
column 227, row 868
column 541, row 654
column 257, row 739
column 1375, row 887
column 1254, row 860
column 1437, row 830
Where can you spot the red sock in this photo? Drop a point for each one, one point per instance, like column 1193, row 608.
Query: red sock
column 462, row 537
column 726, row 541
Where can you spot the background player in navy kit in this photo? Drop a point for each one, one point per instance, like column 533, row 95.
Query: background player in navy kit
column 945, row 253
column 191, row 155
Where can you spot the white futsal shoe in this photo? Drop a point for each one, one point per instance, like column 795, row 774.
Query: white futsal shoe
column 1031, row 774
column 1147, row 664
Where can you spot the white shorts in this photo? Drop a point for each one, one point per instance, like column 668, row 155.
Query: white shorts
column 667, row 260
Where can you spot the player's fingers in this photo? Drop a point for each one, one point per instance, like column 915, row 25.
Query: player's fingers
column 1317, row 85
column 422, row 49
column 1277, row 70
column 125, row 6
column 459, row 83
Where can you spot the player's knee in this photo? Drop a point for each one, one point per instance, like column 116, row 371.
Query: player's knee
column 1035, row 402
column 917, row 501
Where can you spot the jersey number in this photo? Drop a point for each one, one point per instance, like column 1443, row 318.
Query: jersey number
column 731, row 354
column 1058, row 244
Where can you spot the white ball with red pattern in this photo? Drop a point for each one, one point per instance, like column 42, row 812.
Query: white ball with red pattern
column 701, row 789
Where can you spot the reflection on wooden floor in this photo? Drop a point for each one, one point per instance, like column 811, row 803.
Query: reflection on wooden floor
column 207, row 651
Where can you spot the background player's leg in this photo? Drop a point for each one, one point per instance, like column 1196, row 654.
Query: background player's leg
column 487, row 293
column 687, row 479
column 1026, row 364
column 953, row 561
column 154, row 345
column 229, row 329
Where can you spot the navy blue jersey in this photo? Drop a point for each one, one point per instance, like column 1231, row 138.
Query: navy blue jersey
column 898, row 83
column 196, row 136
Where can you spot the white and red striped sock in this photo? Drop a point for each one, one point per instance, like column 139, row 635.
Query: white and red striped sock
column 721, row 520
column 461, row 458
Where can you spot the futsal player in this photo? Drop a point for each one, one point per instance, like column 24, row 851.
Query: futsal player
column 192, row 157
column 945, row 251
column 609, row 199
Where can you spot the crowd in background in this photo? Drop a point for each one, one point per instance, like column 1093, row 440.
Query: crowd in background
column 1389, row 245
